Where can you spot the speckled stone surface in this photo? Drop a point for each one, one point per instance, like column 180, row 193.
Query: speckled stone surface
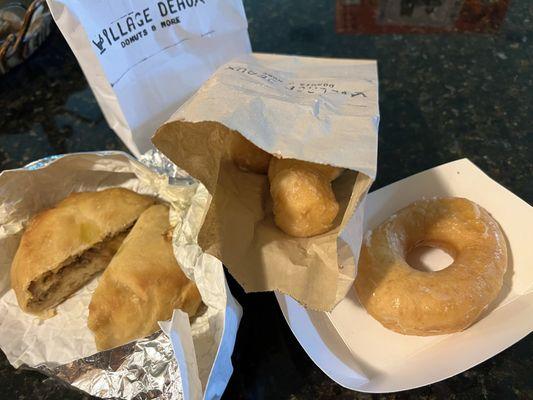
column 442, row 97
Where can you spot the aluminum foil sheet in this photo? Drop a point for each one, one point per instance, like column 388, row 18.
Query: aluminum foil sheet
column 158, row 162
column 144, row 369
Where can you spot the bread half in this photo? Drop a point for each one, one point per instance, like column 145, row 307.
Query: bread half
column 65, row 246
column 143, row 284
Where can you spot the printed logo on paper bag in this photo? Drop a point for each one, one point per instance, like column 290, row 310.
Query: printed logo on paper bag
column 145, row 58
column 123, row 38
column 129, row 28
column 337, row 91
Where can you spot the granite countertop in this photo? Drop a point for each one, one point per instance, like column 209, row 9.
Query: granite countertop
column 443, row 96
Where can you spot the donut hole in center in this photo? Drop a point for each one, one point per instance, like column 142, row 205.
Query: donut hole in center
column 429, row 258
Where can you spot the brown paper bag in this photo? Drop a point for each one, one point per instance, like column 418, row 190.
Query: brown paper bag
column 239, row 228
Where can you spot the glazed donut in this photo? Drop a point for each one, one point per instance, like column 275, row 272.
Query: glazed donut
column 277, row 164
column 413, row 302
column 303, row 201
column 247, row 156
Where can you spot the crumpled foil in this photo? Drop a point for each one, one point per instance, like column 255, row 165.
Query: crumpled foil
column 144, row 369
column 158, row 162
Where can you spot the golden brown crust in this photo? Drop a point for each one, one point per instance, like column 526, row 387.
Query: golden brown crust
column 304, row 204
column 278, row 164
column 414, row 302
column 65, row 231
column 142, row 285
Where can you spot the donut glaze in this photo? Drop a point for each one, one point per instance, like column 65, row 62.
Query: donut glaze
column 414, row 302
column 304, row 204
column 279, row 164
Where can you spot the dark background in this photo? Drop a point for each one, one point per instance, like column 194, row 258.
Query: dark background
column 443, row 96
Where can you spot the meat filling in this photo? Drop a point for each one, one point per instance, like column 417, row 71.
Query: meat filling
column 55, row 286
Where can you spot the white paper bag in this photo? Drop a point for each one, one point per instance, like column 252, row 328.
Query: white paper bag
column 314, row 109
column 145, row 58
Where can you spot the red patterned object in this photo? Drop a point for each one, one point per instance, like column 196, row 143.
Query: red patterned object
column 419, row 16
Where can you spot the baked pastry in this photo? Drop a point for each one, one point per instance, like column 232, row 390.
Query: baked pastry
column 142, row 285
column 304, row 204
column 414, row 302
column 247, row 156
column 64, row 247
column 278, row 164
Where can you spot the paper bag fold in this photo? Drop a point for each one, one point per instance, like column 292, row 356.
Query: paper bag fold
column 238, row 227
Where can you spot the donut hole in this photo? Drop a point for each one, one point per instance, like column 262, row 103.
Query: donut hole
column 429, row 258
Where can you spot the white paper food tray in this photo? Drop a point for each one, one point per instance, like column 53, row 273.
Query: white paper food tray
column 358, row 353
